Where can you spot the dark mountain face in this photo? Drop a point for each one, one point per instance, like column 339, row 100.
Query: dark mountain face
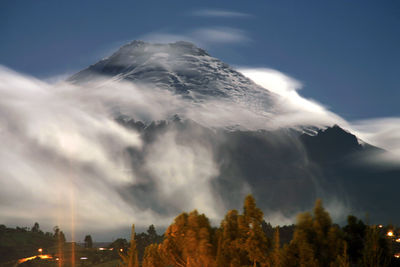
column 330, row 145
column 285, row 169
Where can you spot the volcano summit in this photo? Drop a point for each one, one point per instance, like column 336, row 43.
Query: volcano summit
column 286, row 168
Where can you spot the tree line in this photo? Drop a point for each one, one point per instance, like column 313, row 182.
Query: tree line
column 242, row 240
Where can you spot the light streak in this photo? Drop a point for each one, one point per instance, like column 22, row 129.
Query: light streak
column 43, row 257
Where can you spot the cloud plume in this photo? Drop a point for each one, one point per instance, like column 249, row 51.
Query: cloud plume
column 64, row 157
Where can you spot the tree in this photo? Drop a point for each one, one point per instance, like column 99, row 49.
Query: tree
column 153, row 256
column 343, row 259
column 152, row 233
column 88, row 241
column 59, row 235
column 300, row 251
column 187, row 242
column 316, row 241
column 229, row 251
column 354, row 234
column 130, row 259
column 256, row 243
column 376, row 251
column 35, row 228
column 276, row 255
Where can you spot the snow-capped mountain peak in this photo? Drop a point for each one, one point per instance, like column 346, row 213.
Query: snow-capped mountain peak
column 180, row 67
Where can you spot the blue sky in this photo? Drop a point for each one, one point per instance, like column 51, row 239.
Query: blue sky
column 346, row 53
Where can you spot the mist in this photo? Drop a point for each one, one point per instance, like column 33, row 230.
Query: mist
column 65, row 159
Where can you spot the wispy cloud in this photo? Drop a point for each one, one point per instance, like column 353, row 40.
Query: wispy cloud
column 203, row 37
column 220, row 35
column 291, row 108
column 165, row 38
column 294, row 109
column 220, row 13
column 382, row 132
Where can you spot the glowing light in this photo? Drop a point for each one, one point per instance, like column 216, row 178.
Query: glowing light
column 390, row 233
column 84, row 258
column 380, row 226
column 121, row 249
column 43, row 257
column 398, row 240
column 102, row 248
column 40, row 250
column 397, row 255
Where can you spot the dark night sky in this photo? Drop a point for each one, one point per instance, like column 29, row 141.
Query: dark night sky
column 346, row 53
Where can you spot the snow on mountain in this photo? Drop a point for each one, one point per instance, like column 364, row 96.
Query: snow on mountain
column 183, row 69
column 286, row 166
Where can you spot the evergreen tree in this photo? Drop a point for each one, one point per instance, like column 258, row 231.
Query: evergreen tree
column 188, row 241
column 276, row 255
column 354, row 234
column 316, row 241
column 88, row 241
column 152, row 233
column 343, row 260
column 130, row 259
column 153, row 256
column 256, row 243
column 300, row 251
column 229, row 242
column 376, row 251
column 35, row 228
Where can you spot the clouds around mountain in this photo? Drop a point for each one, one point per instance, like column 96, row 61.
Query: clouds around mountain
column 204, row 37
column 63, row 156
column 295, row 109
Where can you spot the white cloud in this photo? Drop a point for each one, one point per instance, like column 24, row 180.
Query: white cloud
column 381, row 132
column 220, row 35
column 202, row 37
column 62, row 151
column 184, row 174
column 294, row 110
column 60, row 140
column 165, row 38
column 291, row 108
column 220, row 13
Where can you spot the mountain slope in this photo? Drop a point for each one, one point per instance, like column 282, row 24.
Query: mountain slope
column 186, row 165
column 183, row 69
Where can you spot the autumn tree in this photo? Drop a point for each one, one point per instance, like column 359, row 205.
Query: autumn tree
column 130, row 258
column 276, row 253
column 187, row 243
column 328, row 243
column 153, row 256
column 316, row 241
column 299, row 252
column 256, row 243
column 229, row 251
